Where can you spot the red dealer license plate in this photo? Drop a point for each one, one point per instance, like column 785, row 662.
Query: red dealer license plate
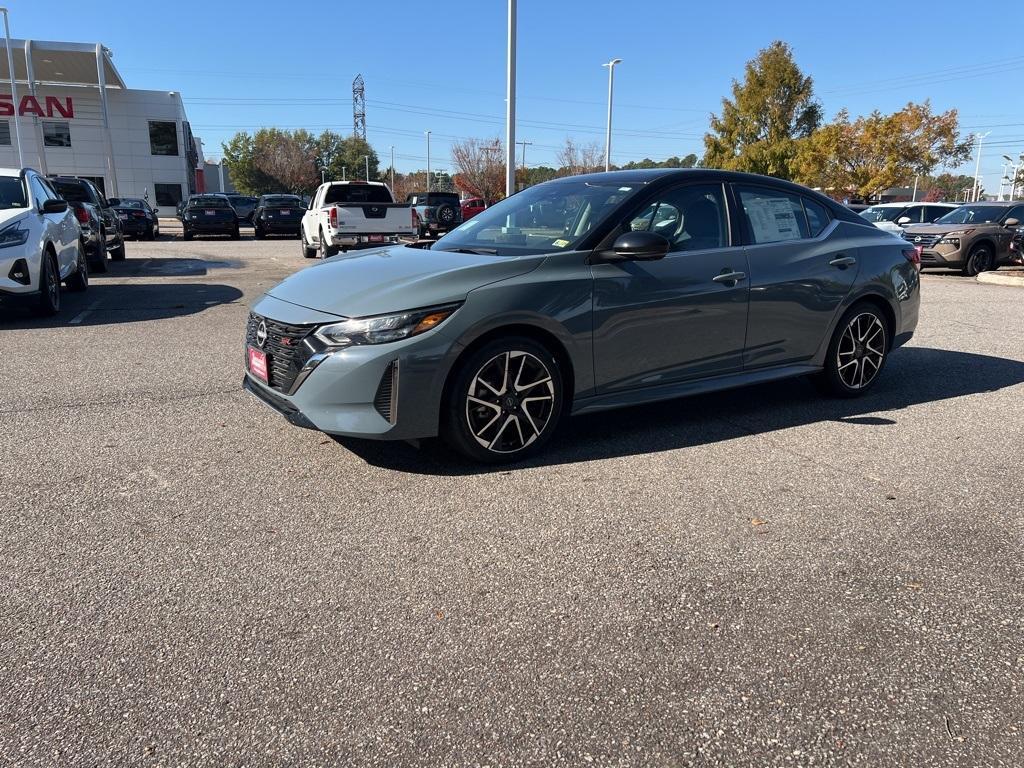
column 376, row 238
column 286, row 211
column 210, row 213
column 258, row 364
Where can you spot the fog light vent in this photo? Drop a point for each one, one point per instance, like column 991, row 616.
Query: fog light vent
column 386, row 399
column 19, row 272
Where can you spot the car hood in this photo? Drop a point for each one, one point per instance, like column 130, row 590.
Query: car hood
column 397, row 278
column 10, row 215
column 941, row 229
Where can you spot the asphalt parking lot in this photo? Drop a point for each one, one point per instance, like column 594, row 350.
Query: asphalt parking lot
column 756, row 578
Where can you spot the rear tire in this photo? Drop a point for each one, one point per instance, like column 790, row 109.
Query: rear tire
column 326, row 251
column 79, row 281
column 49, row 287
column 503, row 402
column 186, row 235
column 981, row 260
column 307, row 252
column 236, row 235
column 258, row 233
column 150, row 234
column 445, row 215
column 857, row 353
column 117, row 252
column 99, row 262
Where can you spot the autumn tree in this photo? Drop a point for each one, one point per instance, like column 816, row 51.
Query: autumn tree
column 769, row 113
column 946, row 187
column 576, row 158
column 480, row 168
column 865, row 156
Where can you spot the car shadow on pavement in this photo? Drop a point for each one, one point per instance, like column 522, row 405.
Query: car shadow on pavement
column 912, row 376
column 143, row 266
column 114, row 303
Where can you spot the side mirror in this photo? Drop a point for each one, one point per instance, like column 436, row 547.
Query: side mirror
column 112, row 201
column 1011, row 222
column 640, row 246
column 903, row 220
column 55, row 206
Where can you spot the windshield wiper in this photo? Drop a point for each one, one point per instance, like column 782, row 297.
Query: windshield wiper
column 477, row 251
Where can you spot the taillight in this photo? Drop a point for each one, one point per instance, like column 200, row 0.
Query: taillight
column 913, row 256
column 334, row 218
column 82, row 215
column 138, row 214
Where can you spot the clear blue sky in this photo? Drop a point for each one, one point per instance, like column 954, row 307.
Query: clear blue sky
column 240, row 66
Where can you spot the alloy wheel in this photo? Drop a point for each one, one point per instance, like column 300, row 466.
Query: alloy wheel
column 861, row 350
column 510, row 401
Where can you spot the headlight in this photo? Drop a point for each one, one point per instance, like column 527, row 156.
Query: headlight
column 384, row 328
column 13, row 235
column 957, row 232
column 947, row 240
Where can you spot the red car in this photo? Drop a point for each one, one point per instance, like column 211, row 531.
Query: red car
column 472, row 206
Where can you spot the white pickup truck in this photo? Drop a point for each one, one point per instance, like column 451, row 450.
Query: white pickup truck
column 346, row 215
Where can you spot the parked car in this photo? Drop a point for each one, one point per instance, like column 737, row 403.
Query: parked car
column 244, row 206
column 1017, row 246
column 972, row 238
column 41, row 243
column 346, row 215
column 277, row 214
column 471, row 207
column 893, row 217
column 138, row 219
column 98, row 220
column 644, row 292
column 209, row 215
column 436, row 212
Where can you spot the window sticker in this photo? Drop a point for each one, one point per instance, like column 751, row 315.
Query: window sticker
column 772, row 219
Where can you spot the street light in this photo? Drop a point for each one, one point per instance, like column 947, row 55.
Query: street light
column 14, row 89
column 977, row 166
column 608, row 132
column 428, row 160
column 366, row 159
column 392, row 169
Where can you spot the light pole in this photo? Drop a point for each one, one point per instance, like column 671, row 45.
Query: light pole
column 366, row 159
column 510, row 103
column 608, row 131
column 392, row 169
column 14, row 89
column 428, row 160
column 523, row 144
column 977, row 167
column 343, row 173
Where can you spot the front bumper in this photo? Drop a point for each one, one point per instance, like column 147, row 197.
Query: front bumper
column 380, row 391
column 11, row 290
column 942, row 256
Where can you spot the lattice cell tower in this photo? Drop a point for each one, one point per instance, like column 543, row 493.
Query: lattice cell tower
column 358, row 108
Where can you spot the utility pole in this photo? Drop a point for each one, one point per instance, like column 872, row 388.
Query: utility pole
column 14, row 88
column 608, row 130
column 524, row 144
column 913, row 197
column 366, row 159
column 392, row 169
column 343, row 173
column 977, row 167
column 428, row 160
column 510, row 103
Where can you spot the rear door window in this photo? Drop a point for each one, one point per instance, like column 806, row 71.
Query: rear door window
column 773, row 216
column 817, row 217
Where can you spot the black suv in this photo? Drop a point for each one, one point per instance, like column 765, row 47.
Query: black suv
column 209, row 215
column 244, row 206
column 101, row 226
column 436, row 212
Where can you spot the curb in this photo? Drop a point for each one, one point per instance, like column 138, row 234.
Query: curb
column 997, row 278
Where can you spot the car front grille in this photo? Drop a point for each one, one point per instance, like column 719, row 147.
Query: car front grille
column 286, row 353
column 925, row 241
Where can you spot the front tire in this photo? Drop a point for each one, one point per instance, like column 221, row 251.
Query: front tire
column 49, row 287
column 79, row 281
column 857, row 352
column 981, row 260
column 504, row 401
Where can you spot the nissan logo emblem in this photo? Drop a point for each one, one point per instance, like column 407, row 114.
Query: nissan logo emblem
column 917, row 239
column 261, row 333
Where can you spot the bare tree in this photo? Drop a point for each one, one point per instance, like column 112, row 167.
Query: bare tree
column 574, row 158
column 479, row 169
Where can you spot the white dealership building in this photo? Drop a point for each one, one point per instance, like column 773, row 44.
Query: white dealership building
column 75, row 115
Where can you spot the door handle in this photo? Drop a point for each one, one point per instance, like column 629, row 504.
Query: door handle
column 842, row 261
column 729, row 277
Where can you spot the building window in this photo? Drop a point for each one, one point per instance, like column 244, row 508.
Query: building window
column 5, row 133
column 167, row 194
column 56, row 134
column 163, row 138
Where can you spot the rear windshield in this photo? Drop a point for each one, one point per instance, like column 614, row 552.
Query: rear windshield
column 128, row 203
column 282, row 202
column 357, row 193
column 434, row 198
column 208, row 202
column 12, row 193
column 73, row 193
column 878, row 213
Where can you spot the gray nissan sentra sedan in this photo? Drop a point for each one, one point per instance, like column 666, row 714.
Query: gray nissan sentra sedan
column 582, row 294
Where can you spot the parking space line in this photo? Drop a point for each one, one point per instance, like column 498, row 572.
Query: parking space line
column 81, row 315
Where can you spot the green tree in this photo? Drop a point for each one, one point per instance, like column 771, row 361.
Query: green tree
column 271, row 160
column 769, row 112
column 336, row 153
column 865, row 156
column 946, row 187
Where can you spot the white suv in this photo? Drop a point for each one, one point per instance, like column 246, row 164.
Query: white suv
column 893, row 217
column 40, row 243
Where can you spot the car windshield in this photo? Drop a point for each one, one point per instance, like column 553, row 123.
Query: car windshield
column 973, row 214
column 357, row 193
column 73, row 193
column 208, row 202
column 547, row 217
column 12, row 193
column 878, row 213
